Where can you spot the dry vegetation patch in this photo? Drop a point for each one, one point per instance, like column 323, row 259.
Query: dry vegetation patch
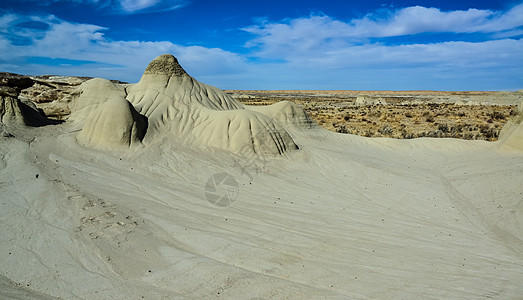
column 402, row 115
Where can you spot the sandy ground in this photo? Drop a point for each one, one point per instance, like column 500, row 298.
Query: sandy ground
column 344, row 217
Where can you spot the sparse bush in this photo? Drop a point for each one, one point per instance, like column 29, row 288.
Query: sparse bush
column 443, row 127
column 491, row 133
column 386, row 130
column 497, row 115
column 342, row 129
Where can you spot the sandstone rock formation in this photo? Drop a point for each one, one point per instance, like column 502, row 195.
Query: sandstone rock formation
column 94, row 92
column 180, row 108
column 199, row 114
column 15, row 112
column 511, row 136
column 50, row 94
column 288, row 114
column 368, row 100
column 113, row 124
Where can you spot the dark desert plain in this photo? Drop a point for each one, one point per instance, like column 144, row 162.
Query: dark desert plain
column 275, row 150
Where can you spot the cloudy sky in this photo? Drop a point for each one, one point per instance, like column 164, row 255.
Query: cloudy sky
column 269, row 44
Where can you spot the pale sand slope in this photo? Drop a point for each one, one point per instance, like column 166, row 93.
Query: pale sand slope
column 345, row 217
column 342, row 217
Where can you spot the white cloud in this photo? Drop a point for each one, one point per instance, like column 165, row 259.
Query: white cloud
column 136, row 5
column 5, row 21
column 123, row 60
column 448, row 56
column 126, row 6
column 450, row 66
column 323, row 51
column 418, row 19
column 132, row 6
column 302, row 34
column 317, row 52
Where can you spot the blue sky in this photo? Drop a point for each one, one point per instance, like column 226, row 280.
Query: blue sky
column 360, row 45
